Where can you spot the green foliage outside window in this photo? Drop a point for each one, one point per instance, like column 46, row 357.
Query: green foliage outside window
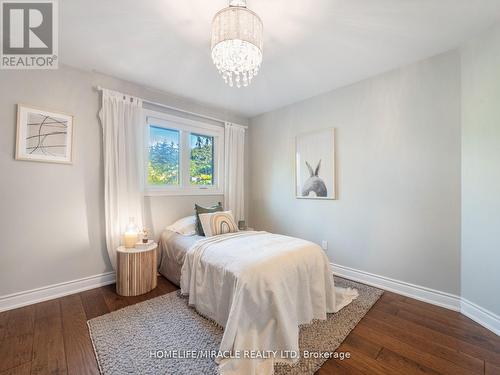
column 202, row 160
column 163, row 167
column 163, row 163
column 164, row 157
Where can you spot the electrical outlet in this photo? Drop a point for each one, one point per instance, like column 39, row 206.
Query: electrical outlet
column 324, row 245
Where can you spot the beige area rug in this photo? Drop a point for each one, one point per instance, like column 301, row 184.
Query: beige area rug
column 138, row 339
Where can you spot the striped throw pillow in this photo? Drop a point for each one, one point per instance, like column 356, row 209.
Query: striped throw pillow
column 218, row 223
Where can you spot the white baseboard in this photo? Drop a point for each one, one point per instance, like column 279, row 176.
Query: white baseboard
column 435, row 297
column 480, row 315
column 15, row 300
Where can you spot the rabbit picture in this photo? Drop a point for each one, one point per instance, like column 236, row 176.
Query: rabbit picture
column 314, row 183
column 316, row 151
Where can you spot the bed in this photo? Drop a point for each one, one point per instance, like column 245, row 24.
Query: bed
column 172, row 251
column 260, row 287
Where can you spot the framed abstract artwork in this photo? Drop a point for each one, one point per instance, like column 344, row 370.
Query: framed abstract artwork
column 44, row 135
column 315, row 165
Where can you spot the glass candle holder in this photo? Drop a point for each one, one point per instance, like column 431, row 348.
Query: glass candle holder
column 131, row 234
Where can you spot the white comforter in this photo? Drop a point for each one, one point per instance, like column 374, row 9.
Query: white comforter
column 260, row 287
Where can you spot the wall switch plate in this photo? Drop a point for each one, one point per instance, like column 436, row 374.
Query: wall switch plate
column 324, row 245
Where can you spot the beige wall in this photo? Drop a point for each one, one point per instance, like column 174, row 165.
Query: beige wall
column 481, row 170
column 398, row 159
column 51, row 215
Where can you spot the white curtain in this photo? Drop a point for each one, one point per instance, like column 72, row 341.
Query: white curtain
column 121, row 119
column 234, row 154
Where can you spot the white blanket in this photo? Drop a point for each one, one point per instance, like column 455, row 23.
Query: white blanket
column 260, row 287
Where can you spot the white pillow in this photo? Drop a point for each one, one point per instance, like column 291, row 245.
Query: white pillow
column 216, row 223
column 185, row 226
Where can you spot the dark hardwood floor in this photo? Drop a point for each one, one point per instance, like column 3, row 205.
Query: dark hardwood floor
column 399, row 335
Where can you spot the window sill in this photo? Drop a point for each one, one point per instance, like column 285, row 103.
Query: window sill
column 181, row 192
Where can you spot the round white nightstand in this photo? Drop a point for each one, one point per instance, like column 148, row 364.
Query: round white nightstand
column 136, row 270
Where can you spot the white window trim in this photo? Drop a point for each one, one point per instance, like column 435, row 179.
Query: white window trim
column 185, row 126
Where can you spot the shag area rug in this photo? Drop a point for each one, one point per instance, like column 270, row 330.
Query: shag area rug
column 163, row 334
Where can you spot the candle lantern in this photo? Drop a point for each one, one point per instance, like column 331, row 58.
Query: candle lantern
column 131, row 234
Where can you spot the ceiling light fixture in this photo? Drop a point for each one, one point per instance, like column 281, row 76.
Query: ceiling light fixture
column 237, row 43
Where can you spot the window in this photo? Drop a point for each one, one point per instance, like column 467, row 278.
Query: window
column 201, row 167
column 163, row 165
column 184, row 157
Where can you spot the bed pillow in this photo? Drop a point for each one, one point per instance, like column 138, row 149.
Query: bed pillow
column 185, row 226
column 204, row 210
column 218, row 223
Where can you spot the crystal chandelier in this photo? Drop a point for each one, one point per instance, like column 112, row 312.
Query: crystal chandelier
column 237, row 43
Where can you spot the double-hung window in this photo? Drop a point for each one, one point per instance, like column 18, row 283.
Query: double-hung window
column 184, row 157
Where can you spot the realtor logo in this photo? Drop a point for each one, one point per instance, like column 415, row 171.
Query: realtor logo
column 29, row 34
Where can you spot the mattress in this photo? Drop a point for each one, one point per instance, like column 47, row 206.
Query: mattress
column 172, row 252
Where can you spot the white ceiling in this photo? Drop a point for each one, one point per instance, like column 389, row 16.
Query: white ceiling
column 310, row 46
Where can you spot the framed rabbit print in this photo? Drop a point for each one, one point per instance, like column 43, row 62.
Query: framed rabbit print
column 315, row 165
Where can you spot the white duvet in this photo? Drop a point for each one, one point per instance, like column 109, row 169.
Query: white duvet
column 260, row 287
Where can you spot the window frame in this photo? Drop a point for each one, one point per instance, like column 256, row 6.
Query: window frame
column 185, row 127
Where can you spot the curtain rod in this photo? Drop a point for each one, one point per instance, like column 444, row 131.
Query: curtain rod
column 100, row 88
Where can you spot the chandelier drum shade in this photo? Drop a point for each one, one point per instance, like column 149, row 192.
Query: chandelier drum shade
column 237, row 43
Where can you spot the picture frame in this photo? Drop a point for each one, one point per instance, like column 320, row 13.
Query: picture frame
column 315, row 171
column 43, row 135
